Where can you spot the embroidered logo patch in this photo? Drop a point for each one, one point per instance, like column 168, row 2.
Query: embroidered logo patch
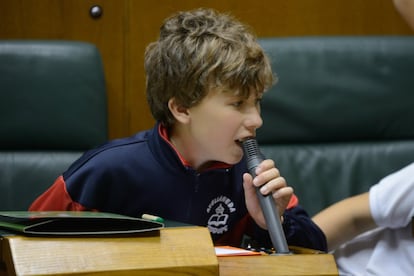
column 219, row 210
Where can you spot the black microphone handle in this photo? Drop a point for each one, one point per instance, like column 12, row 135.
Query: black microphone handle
column 254, row 157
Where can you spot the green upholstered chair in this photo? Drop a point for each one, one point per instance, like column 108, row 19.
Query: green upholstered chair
column 341, row 116
column 53, row 107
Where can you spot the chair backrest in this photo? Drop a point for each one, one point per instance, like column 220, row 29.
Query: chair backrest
column 52, row 108
column 341, row 115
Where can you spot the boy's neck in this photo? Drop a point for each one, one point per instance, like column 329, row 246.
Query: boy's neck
column 184, row 150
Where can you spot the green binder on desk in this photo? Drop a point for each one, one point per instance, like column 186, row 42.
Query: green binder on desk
column 74, row 223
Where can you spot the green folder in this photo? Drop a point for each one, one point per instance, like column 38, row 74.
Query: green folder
column 74, row 223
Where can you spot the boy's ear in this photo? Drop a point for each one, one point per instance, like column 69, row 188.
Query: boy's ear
column 179, row 112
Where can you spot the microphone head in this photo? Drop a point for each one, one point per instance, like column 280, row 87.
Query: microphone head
column 253, row 155
column 250, row 147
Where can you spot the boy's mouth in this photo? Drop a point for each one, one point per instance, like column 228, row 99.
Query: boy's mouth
column 240, row 141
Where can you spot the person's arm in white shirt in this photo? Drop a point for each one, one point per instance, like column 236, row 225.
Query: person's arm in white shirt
column 345, row 219
column 390, row 203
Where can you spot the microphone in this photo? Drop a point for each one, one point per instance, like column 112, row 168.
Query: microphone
column 254, row 157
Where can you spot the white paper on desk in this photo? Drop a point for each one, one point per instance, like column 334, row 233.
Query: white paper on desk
column 222, row 251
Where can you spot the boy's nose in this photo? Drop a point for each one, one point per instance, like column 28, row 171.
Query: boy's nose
column 254, row 120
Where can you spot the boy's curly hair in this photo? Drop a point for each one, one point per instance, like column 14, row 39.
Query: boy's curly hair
column 198, row 50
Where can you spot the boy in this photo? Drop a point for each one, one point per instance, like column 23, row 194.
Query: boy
column 205, row 78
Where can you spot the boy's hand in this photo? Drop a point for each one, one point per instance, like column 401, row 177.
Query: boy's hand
column 270, row 182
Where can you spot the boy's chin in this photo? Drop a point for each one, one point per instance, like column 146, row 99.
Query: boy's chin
column 233, row 160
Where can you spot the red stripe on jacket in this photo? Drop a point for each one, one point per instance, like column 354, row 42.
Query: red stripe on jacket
column 56, row 198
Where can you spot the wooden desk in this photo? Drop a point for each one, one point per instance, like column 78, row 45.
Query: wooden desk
column 303, row 264
column 175, row 251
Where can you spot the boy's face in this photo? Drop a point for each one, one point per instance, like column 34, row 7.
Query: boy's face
column 219, row 123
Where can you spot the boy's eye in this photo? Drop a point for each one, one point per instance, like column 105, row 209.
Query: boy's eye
column 237, row 104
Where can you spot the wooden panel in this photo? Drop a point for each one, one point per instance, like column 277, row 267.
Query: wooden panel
column 70, row 19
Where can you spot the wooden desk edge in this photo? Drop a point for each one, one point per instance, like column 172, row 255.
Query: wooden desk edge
column 295, row 264
column 311, row 263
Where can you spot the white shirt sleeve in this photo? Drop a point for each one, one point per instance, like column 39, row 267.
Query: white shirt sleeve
column 392, row 199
